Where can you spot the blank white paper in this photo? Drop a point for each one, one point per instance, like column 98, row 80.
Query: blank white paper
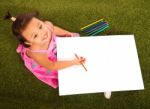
column 112, row 63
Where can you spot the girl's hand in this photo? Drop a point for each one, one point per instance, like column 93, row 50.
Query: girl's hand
column 78, row 61
column 72, row 34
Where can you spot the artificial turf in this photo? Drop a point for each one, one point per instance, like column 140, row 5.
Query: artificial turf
column 19, row 89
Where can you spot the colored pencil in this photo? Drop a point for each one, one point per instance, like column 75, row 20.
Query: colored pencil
column 98, row 29
column 99, row 26
column 91, row 24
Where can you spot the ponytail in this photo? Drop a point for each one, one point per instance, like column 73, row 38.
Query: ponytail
column 9, row 17
column 19, row 23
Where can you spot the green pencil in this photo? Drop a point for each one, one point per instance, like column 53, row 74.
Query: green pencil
column 100, row 30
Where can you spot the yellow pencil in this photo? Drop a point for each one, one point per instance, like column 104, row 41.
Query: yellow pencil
column 91, row 24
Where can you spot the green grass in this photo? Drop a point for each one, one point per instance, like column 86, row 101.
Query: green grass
column 19, row 89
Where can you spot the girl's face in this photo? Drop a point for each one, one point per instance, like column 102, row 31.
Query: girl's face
column 36, row 32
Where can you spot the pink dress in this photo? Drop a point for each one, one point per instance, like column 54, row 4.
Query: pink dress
column 43, row 74
column 47, row 76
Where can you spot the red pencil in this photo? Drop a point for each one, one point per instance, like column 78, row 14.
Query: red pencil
column 81, row 62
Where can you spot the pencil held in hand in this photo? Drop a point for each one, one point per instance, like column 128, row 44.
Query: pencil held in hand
column 81, row 62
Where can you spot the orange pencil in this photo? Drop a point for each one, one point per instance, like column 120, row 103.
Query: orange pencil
column 81, row 62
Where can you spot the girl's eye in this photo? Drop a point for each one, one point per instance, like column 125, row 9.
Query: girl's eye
column 40, row 27
column 35, row 35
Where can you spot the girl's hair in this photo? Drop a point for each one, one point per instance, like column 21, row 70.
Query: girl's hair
column 20, row 24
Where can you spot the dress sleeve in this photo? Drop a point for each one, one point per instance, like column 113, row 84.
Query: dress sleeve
column 19, row 48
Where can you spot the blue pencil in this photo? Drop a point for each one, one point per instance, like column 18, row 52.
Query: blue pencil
column 94, row 26
column 98, row 29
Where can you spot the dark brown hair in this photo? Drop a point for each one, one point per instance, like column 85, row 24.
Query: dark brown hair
column 20, row 24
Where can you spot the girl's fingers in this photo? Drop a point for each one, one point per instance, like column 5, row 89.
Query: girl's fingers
column 82, row 60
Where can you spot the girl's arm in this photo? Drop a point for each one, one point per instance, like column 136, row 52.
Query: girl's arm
column 42, row 59
column 59, row 31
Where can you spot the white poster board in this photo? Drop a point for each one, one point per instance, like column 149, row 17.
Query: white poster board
column 112, row 64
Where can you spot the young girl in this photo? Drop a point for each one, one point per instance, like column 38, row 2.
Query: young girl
column 38, row 46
